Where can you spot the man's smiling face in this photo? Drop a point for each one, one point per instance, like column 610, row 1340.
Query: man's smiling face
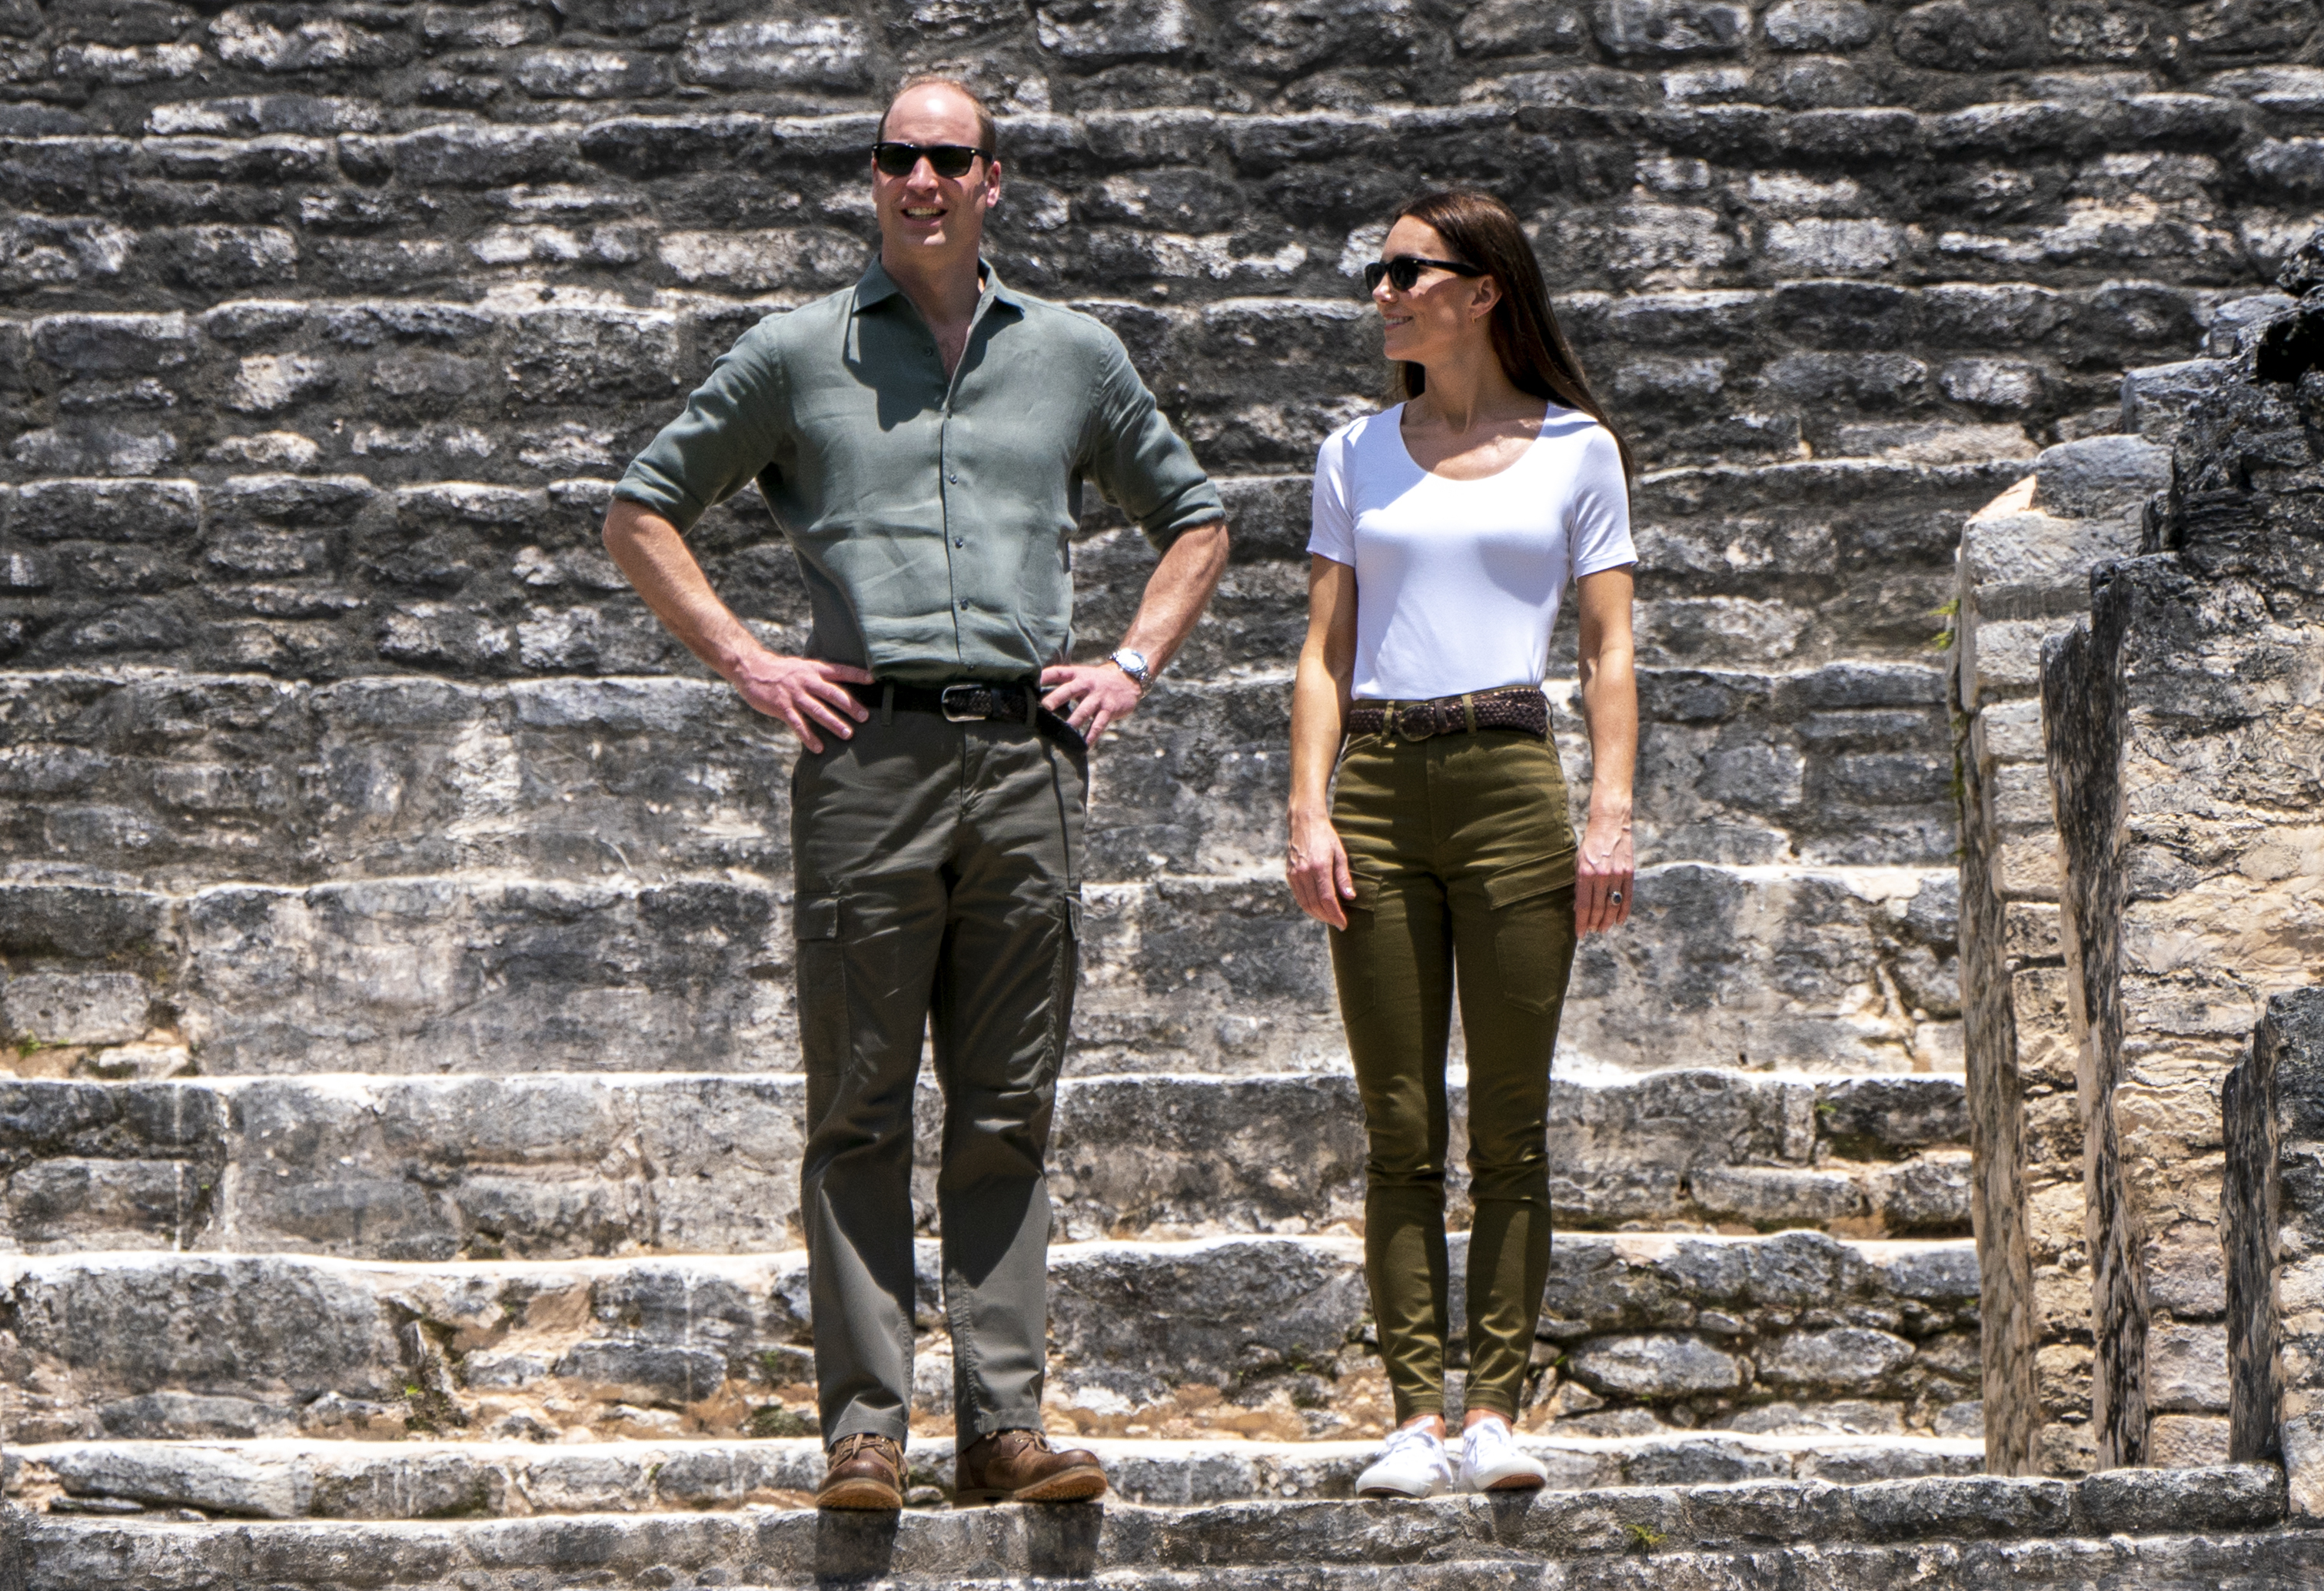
column 921, row 210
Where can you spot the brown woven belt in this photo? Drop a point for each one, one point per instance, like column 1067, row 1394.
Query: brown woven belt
column 1521, row 708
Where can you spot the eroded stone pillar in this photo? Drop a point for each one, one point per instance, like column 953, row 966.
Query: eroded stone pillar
column 2024, row 577
column 2273, row 1230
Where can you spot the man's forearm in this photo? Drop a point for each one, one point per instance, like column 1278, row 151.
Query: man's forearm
column 652, row 553
column 1177, row 592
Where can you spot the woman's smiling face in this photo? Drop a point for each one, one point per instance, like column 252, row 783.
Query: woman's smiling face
column 1441, row 309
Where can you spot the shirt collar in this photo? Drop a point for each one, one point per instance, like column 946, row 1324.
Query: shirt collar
column 876, row 286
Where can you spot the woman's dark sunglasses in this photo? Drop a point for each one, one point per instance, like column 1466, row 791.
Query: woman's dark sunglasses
column 945, row 160
column 1404, row 269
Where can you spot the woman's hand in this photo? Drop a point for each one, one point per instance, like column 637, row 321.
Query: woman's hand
column 1604, row 876
column 1317, row 866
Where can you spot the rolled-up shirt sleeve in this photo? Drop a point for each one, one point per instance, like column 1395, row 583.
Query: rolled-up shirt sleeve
column 1141, row 465
column 730, row 432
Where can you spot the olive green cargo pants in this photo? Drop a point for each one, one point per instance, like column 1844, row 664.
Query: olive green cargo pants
column 938, row 870
column 1461, row 851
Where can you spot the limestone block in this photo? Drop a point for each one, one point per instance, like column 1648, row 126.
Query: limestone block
column 2187, row 1441
column 1844, row 1356
column 113, row 344
column 2100, row 476
column 2012, row 731
column 396, row 976
column 1772, row 1196
column 1695, row 947
column 2187, row 1369
column 1823, row 25
column 2009, row 657
column 216, row 1482
column 1930, row 1194
column 1658, row 1365
column 2039, row 549
column 76, row 1007
column 1101, row 32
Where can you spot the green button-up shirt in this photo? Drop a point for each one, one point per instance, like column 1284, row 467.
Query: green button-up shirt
column 931, row 517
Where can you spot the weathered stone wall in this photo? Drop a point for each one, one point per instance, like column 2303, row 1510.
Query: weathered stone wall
column 2024, row 564
column 351, row 810
column 2181, row 722
column 2274, row 1107
column 329, row 326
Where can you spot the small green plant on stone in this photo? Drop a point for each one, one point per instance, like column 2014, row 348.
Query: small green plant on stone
column 1642, row 1539
column 775, row 1420
column 1942, row 642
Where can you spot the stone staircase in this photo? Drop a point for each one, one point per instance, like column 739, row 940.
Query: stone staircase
column 398, row 1157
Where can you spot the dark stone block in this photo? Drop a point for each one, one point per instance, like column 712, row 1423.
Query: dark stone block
column 2152, row 1502
column 1971, row 35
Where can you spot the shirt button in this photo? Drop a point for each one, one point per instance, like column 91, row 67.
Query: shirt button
column 953, row 479
column 959, row 541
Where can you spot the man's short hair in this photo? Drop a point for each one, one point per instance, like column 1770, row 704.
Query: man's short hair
column 987, row 136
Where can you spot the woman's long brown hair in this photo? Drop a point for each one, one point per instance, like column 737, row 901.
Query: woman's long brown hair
column 1484, row 232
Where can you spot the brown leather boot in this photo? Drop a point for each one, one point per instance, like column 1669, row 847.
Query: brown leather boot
column 1021, row 1467
column 864, row 1471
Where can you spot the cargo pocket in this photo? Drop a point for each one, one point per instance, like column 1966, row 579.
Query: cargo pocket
column 1532, row 905
column 1355, row 948
column 1066, row 979
column 821, row 973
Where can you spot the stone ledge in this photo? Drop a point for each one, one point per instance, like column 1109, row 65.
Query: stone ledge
column 1217, row 973
column 549, row 1165
column 1259, row 1336
column 421, row 1479
column 1972, row 1530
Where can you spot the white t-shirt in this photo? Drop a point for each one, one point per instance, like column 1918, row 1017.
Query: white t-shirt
column 1458, row 582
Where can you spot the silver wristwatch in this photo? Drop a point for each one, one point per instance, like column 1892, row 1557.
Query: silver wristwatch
column 1134, row 665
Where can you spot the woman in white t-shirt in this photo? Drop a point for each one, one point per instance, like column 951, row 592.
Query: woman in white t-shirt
column 1446, row 531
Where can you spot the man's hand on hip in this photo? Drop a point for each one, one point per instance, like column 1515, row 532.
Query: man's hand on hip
column 1097, row 695
column 803, row 692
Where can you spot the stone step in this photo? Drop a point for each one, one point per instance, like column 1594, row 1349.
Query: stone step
column 556, row 1166
column 2126, row 1527
column 419, row 1480
column 176, row 781
column 401, row 387
column 1640, row 1334
column 1842, row 970
column 331, row 575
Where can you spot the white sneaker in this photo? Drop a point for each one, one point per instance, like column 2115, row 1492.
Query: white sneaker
column 1413, row 1463
column 1491, row 1460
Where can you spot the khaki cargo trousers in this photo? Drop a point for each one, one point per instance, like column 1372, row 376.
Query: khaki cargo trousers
column 1461, row 851
column 938, row 869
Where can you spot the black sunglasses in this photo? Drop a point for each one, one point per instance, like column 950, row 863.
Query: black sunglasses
column 945, row 160
column 1404, row 269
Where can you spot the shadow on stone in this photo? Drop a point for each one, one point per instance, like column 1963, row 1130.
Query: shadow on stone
column 1508, row 1512
column 1061, row 1539
column 852, row 1545
column 12, row 1548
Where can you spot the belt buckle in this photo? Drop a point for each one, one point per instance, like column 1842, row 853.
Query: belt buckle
column 964, row 714
column 1426, row 728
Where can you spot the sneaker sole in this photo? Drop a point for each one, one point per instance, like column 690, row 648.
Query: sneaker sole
column 1391, row 1492
column 866, row 1496
column 1517, row 1483
column 1068, row 1486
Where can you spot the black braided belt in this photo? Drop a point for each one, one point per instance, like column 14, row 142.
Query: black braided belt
column 969, row 702
column 1521, row 708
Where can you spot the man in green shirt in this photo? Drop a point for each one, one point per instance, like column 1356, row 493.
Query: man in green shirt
column 923, row 438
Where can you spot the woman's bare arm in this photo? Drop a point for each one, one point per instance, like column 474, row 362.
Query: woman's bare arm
column 1317, row 864
column 1610, row 705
